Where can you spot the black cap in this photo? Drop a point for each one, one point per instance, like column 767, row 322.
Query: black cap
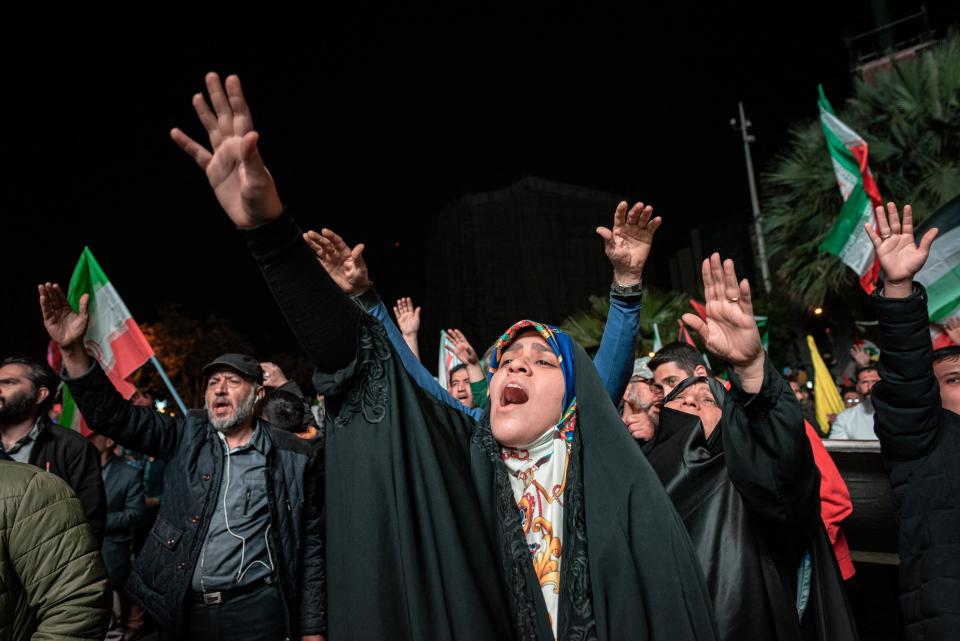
column 241, row 363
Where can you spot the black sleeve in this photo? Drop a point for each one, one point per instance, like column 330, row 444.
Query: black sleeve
column 907, row 398
column 313, row 615
column 770, row 461
column 323, row 318
column 87, row 481
column 105, row 410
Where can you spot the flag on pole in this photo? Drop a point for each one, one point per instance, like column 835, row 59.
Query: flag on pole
column 826, row 397
column 941, row 273
column 448, row 360
column 848, row 240
column 113, row 338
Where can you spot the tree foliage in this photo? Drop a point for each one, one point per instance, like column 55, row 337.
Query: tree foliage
column 909, row 115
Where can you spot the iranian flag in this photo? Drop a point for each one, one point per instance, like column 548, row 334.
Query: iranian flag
column 941, row 273
column 847, row 240
column 113, row 337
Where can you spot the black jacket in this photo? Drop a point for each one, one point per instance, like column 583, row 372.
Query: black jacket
column 125, row 510
column 921, row 446
column 73, row 458
column 162, row 573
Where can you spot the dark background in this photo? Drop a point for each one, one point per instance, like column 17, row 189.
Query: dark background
column 374, row 125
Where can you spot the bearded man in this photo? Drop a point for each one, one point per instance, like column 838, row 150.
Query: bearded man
column 235, row 552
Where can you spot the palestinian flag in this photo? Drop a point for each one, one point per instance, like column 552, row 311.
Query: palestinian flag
column 941, row 273
column 848, row 240
column 113, row 338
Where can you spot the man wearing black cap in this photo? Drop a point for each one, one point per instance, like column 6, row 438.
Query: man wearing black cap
column 235, row 552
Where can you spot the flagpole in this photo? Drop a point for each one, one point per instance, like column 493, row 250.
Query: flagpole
column 166, row 380
column 754, row 201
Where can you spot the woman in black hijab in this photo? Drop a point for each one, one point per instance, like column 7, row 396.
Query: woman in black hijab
column 739, row 469
column 424, row 532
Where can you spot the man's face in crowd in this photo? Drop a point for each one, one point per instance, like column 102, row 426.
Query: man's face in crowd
column 865, row 382
column 643, row 395
column 526, row 392
column 18, row 397
column 669, row 375
column 230, row 398
column 460, row 387
column 698, row 400
column 851, row 398
column 947, row 373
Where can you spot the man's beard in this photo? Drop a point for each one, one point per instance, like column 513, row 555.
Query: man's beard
column 242, row 414
column 16, row 408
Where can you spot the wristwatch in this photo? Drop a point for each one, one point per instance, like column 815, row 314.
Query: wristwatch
column 626, row 290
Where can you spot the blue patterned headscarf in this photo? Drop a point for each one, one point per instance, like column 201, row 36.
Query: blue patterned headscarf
column 562, row 346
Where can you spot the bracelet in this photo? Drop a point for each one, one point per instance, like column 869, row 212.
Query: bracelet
column 626, row 290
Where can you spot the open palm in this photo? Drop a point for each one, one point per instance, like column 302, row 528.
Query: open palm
column 899, row 255
column 345, row 265
column 240, row 180
column 729, row 330
column 628, row 244
column 65, row 326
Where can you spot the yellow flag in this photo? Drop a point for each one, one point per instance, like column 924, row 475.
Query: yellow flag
column 826, row 396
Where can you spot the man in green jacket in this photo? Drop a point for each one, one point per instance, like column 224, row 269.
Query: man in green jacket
column 52, row 582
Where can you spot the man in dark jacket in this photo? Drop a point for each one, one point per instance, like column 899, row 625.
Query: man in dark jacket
column 27, row 388
column 236, row 551
column 125, row 509
column 918, row 424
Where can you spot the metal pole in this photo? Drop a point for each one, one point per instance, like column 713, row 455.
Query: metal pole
column 166, row 380
column 754, row 201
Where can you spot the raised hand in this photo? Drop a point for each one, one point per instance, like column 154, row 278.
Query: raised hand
column 899, row 255
column 952, row 328
column 345, row 265
column 273, row 376
column 65, row 326
column 408, row 316
column 730, row 330
column 627, row 245
column 464, row 351
column 244, row 187
column 461, row 347
column 859, row 356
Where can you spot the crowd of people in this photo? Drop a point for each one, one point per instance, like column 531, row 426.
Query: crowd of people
column 535, row 493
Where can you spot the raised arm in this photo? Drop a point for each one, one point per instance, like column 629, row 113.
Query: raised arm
column 349, row 271
column 408, row 320
column 907, row 398
column 766, row 448
column 324, row 321
column 104, row 409
column 627, row 246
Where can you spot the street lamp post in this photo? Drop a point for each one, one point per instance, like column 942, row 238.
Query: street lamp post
column 743, row 125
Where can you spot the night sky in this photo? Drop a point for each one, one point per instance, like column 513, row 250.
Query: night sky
column 370, row 127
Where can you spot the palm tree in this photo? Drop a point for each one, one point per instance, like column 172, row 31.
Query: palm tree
column 910, row 117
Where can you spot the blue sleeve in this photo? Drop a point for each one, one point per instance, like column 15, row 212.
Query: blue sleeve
column 614, row 359
column 412, row 364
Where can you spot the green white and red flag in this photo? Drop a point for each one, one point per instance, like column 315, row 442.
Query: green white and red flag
column 113, row 338
column 848, row 240
column 941, row 273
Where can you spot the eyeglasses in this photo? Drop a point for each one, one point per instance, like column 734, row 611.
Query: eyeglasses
column 850, row 402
